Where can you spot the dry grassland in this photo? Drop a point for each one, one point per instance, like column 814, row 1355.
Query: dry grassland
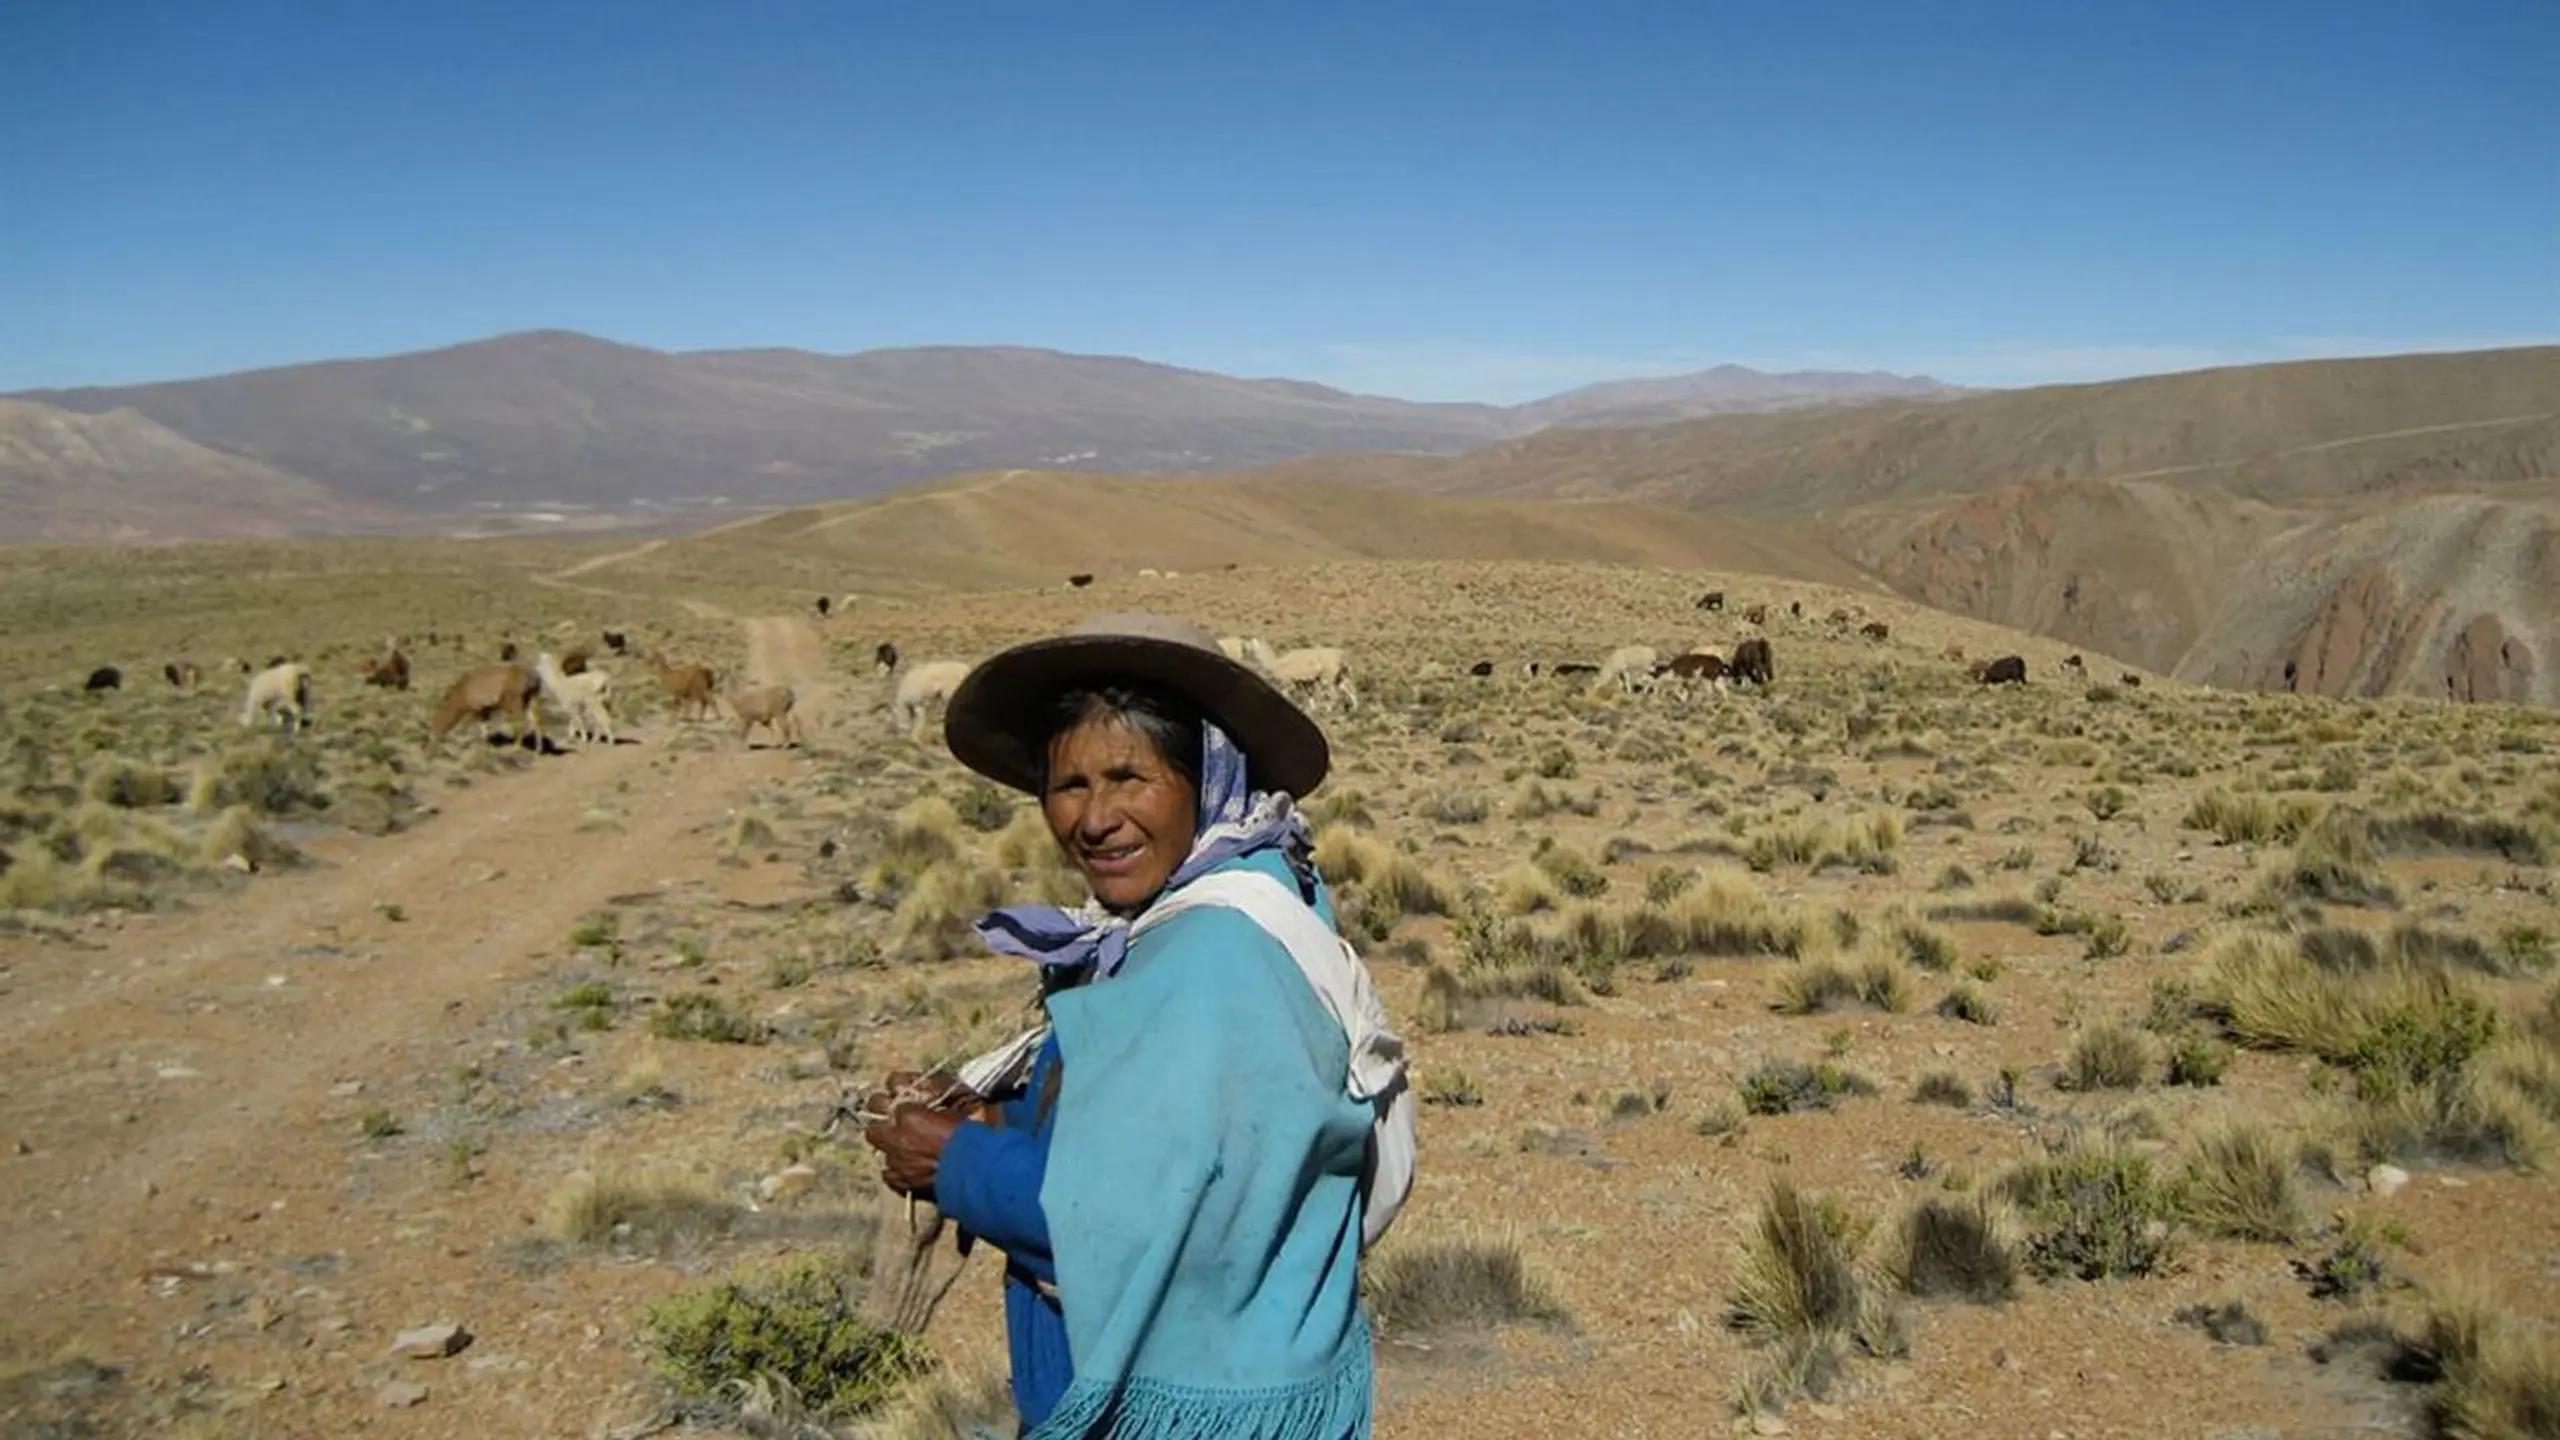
column 1875, row 1055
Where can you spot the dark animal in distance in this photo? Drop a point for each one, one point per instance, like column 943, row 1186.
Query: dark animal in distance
column 105, row 677
column 1696, row 665
column 575, row 662
column 1753, row 664
column 1078, row 582
column 1712, row 600
column 181, row 673
column 1796, row 608
column 508, row 652
column 1480, row 669
column 2131, row 680
column 886, row 656
column 2075, row 665
column 824, row 605
column 2007, row 670
column 614, row 641
column 1576, row 667
column 2291, row 671
column 390, row 671
column 1874, row 630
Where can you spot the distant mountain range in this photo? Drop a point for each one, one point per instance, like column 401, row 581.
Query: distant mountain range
column 558, row 421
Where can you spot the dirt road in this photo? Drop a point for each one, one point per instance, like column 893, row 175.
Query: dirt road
column 185, row 1089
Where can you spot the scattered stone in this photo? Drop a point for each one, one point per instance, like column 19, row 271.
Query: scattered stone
column 1768, row 1425
column 401, row 1394
column 431, row 1342
column 178, row 1072
column 2385, row 1180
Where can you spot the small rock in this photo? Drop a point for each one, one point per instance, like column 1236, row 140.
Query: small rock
column 431, row 1342
column 2453, row 1182
column 239, row 863
column 178, row 1072
column 401, row 1394
column 2385, row 1180
column 1768, row 1425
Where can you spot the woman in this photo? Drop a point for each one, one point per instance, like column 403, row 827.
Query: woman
column 1214, row 1122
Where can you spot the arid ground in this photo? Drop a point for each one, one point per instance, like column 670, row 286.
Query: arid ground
column 1873, row 1053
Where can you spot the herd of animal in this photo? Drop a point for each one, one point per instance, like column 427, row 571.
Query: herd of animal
column 509, row 691
column 512, row 692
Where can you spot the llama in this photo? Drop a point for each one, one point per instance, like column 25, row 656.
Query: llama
column 690, row 686
column 1320, row 670
column 507, row 690
column 582, row 696
column 283, row 691
column 923, row 688
column 769, row 706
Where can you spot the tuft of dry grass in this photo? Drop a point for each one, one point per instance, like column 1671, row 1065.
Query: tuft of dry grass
column 1430, row 1287
column 2107, row 1057
column 2250, row 819
column 2240, row 1184
column 1801, row 1295
column 1828, row 985
column 658, row 1214
column 1955, row 1249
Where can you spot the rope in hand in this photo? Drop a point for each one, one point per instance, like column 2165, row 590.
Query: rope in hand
column 903, row 1295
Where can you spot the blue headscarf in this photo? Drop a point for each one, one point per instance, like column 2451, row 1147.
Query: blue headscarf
column 1235, row 819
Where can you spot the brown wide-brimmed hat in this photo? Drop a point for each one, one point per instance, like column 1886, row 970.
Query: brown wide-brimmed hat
column 993, row 721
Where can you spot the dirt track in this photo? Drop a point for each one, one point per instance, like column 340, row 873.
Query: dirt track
column 185, row 1092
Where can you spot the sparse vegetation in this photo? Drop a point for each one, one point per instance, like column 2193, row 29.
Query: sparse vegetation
column 1563, row 892
column 1437, row 1286
column 798, row 1328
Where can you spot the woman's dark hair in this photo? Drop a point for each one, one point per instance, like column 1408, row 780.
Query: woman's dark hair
column 1170, row 722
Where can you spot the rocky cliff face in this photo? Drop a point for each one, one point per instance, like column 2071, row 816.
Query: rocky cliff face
column 2443, row 596
column 2489, row 664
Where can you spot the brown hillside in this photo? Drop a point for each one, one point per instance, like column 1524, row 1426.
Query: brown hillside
column 2312, row 430
column 1034, row 528
column 2447, row 595
column 2190, row 521
column 552, row 419
column 122, row 478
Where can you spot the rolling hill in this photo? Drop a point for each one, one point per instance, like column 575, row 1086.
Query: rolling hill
column 121, row 478
column 2314, row 430
column 1034, row 528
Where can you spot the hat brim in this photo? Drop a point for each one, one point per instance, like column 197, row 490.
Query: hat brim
column 993, row 720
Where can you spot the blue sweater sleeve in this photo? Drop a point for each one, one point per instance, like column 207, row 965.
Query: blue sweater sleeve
column 989, row 1182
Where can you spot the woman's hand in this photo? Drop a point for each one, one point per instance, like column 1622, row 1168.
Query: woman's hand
column 910, row 1142
column 953, row 1097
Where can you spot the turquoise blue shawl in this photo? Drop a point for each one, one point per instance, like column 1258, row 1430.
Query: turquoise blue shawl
column 1203, row 1196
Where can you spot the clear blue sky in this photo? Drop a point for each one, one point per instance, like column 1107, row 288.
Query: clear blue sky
column 1478, row 201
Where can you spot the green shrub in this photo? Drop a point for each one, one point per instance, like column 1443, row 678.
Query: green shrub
column 800, row 1326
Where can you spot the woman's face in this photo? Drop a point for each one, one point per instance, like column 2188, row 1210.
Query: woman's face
column 1122, row 814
